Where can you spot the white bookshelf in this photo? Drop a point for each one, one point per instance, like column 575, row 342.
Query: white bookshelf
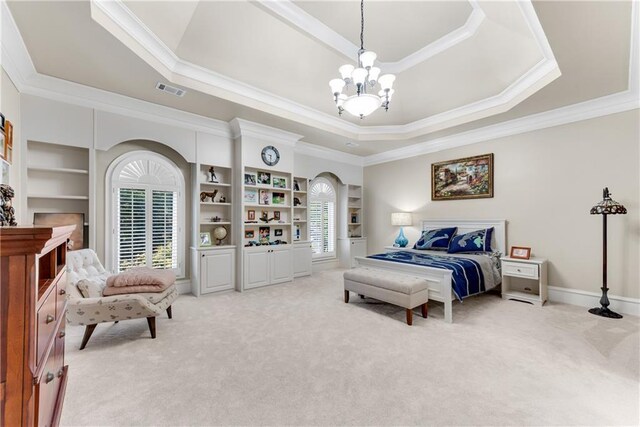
column 58, row 181
column 218, row 212
column 301, row 209
column 355, row 226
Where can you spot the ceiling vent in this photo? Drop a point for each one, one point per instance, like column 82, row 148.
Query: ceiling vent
column 171, row 89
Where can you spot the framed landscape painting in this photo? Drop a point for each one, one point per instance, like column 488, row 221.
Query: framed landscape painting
column 467, row 178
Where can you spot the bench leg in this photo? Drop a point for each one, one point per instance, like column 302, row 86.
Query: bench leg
column 88, row 330
column 409, row 316
column 151, row 320
column 424, row 310
column 346, row 296
column 361, row 296
column 169, row 312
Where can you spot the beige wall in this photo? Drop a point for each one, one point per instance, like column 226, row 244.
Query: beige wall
column 10, row 107
column 105, row 158
column 545, row 183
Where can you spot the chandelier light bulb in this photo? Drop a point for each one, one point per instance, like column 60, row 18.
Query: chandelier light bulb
column 386, row 81
column 374, row 72
column 359, row 75
column 336, row 86
column 345, row 72
column 367, row 57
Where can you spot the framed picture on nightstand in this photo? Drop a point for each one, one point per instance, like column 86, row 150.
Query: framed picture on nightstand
column 520, row 252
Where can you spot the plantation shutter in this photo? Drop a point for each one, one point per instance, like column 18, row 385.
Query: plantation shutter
column 316, row 227
column 329, row 226
column 164, row 229
column 132, row 223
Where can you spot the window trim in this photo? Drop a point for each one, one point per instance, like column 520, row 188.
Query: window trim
column 325, row 256
column 111, row 186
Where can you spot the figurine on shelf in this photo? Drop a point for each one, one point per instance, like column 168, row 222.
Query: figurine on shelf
column 205, row 194
column 296, row 186
column 296, row 201
column 215, row 219
column 265, row 217
column 7, row 213
column 211, row 176
column 222, row 199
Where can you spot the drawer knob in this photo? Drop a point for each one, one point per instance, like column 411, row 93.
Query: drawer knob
column 62, row 334
column 62, row 292
column 60, row 373
column 49, row 319
column 49, row 377
column 517, row 269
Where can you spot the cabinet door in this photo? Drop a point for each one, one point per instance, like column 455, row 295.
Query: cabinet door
column 216, row 271
column 256, row 269
column 302, row 259
column 281, row 265
column 358, row 248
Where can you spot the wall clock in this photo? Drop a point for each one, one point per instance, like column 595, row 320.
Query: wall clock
column 270, row 155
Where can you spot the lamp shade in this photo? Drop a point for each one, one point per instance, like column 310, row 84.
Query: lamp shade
column 401, row 218
column 608, row 206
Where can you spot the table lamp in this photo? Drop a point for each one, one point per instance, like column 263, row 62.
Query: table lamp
column 606, row 207
column 401, row 219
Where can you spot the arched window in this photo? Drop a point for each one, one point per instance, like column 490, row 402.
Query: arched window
column 322, row 218
column 147, row 212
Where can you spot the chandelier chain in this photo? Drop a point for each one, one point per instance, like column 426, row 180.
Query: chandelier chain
column 361, row 24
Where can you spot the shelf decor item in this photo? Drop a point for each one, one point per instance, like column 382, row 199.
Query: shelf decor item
column 278, row 198
column 607, row 206
column 205, row 238
column 211, row 176
column 401, row 219
column 520, row 252
column 467, row 178
column 279, row 182
column 7, row 213
column 250, row 196
column 249, row 179
column 219, row 233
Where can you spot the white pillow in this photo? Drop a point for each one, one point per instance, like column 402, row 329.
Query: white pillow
column 90, row 288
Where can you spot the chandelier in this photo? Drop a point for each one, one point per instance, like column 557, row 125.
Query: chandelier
column 362, row 78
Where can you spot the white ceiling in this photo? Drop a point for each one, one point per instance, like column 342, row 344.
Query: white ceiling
column 252, row 44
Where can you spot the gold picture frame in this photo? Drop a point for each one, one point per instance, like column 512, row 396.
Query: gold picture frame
column 465, row 178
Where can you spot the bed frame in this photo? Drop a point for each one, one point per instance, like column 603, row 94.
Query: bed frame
column 440, row 280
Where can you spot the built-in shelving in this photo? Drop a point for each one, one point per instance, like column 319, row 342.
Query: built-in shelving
column 354, row 211
column 300, row 211
column 217, row 181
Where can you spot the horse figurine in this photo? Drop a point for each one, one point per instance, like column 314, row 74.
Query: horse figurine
column 205, row 194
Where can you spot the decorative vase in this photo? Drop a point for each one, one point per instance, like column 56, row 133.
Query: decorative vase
column 401, row 240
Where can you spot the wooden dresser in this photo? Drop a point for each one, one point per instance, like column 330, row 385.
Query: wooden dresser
column 32, row 297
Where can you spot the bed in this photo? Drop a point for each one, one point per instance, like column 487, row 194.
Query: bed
column 441, row 284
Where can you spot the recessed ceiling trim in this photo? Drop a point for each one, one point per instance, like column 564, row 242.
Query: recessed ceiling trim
column 114, row 16
column 304, row 21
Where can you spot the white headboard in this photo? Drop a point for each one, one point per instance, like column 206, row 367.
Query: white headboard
column 466, row 225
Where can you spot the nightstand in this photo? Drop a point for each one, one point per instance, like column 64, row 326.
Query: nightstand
column 534, row 289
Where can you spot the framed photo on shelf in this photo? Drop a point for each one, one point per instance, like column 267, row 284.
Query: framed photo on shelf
column 520, row 252
column 205, row 238
column 264, row 234
column 249, row 234
column 276, row 215
column 466, row 178
column 250, row 179
column 4, row 172
column 264, row 178
column 251, row 215
column 250, row 196
column 264, row 197
column 279, row 182
column 277, row 198
column 277, row 232
column 3, row 143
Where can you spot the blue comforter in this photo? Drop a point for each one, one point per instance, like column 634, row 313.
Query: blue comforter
column 467, row 274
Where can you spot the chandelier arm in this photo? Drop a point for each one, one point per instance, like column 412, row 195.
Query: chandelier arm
column 361, row 25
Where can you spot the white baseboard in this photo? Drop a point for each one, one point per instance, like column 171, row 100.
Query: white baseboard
column 184, row 286
column 325, row 264
column 587, row 299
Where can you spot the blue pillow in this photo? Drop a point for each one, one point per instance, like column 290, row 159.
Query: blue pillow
column 475, row 241
column 437, row 239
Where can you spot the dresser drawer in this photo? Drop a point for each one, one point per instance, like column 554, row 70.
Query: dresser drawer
column 47, row 389
column 45, row 323
column 61, row 295
column 517, row 269
column 58, row 346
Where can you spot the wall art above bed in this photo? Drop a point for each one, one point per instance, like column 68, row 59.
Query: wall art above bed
column 467, row 178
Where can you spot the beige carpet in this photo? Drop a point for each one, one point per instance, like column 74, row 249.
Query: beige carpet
column 296, row 354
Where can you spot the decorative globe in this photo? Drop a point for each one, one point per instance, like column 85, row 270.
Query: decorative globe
column 219, row 233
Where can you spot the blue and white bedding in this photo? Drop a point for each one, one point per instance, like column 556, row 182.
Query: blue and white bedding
column 471, row 273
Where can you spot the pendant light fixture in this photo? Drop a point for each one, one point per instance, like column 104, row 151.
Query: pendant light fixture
column 362, row 79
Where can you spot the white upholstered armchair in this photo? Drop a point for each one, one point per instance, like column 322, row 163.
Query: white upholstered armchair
column 87, row 307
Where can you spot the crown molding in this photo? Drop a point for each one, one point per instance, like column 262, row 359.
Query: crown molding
column 114, row 16
column 610, row 104
column 321, row 152
column 245, row 128
column 312, row 26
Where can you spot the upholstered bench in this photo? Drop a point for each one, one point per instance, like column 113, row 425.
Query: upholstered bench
column 399, row 289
